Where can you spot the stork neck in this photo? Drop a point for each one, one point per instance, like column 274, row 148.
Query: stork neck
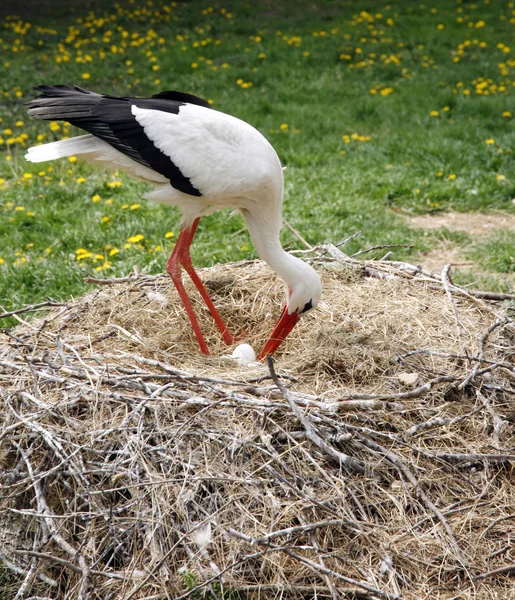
column 264, row 231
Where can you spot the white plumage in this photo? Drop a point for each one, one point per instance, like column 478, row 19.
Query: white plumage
column 200, row 160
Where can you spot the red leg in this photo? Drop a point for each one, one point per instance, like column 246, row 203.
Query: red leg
column 181, row 256
column 173, row 267
column 185, row 260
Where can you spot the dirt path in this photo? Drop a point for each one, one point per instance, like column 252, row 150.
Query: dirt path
column 477, row 225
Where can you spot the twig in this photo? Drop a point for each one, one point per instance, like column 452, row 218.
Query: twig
column 347, row 239
column 69, row 565
column 497, row 422
column 380, row 247
column 313, row 565
column 31, row 308
column 54, row 530
column 482, row 344
column 507, row 570
column 395, row 460
column 446, row 286
column 343, row 459
column 297, row 235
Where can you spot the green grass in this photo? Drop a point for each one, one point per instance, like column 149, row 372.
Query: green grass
column 312, row 69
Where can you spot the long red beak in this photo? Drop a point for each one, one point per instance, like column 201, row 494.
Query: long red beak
column 285, row 324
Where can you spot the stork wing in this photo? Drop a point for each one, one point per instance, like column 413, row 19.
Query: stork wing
column 112, row 119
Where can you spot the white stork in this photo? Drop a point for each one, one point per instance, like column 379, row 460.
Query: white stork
column 200, row 160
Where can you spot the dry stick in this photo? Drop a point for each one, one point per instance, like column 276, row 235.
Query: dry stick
column 343, row 459
column 67, row 564
column 397, row 462
column 31, row 308
column 313, row 565
column 463, row 357
column 412, row 271
column 306, row 591
column 496, row 522
column 54, row 531
column 438, row 422
column 469, row 456
column 31, row 573
column 167, row 555
column 19, row 571
column 297, row 234
column 308, row 527
column 501, row 571
column 315, row 544
column 410, row 394
column 380, row 247
column 482, row 343
column 446, row 284
column 343, row 242
column 497, row 421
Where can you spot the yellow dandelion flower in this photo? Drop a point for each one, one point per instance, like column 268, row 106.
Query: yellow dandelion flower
column 506, row 114
column 134, row 239
column 490, row 141
column 113, row 251
column 169, row 234
column 283, row 127
column 501, row 178
column 27, row 175
column 96, row 198
column 452, row 176
column 72, row 159
column 135, row 206
column 85, row 76
column 81, row 179
column 434, row 113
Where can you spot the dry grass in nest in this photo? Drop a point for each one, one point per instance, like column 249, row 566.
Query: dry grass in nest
column 374, row 459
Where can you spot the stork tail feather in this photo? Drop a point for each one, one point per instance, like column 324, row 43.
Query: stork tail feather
column 83, row 144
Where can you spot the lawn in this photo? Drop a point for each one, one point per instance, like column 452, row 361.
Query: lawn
column 378, row 110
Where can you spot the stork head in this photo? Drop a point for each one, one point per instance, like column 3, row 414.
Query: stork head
column 304, row 291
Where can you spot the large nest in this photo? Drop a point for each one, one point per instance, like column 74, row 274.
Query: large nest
column 374, row 459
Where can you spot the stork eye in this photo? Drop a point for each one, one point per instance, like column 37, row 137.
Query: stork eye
column 307, row 306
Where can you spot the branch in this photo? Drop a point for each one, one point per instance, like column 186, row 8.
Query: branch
column 343, row 459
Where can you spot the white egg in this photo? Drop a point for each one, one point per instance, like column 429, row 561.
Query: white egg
column 244, row 354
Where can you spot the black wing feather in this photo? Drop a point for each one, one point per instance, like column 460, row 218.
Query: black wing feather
column 110, row 119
